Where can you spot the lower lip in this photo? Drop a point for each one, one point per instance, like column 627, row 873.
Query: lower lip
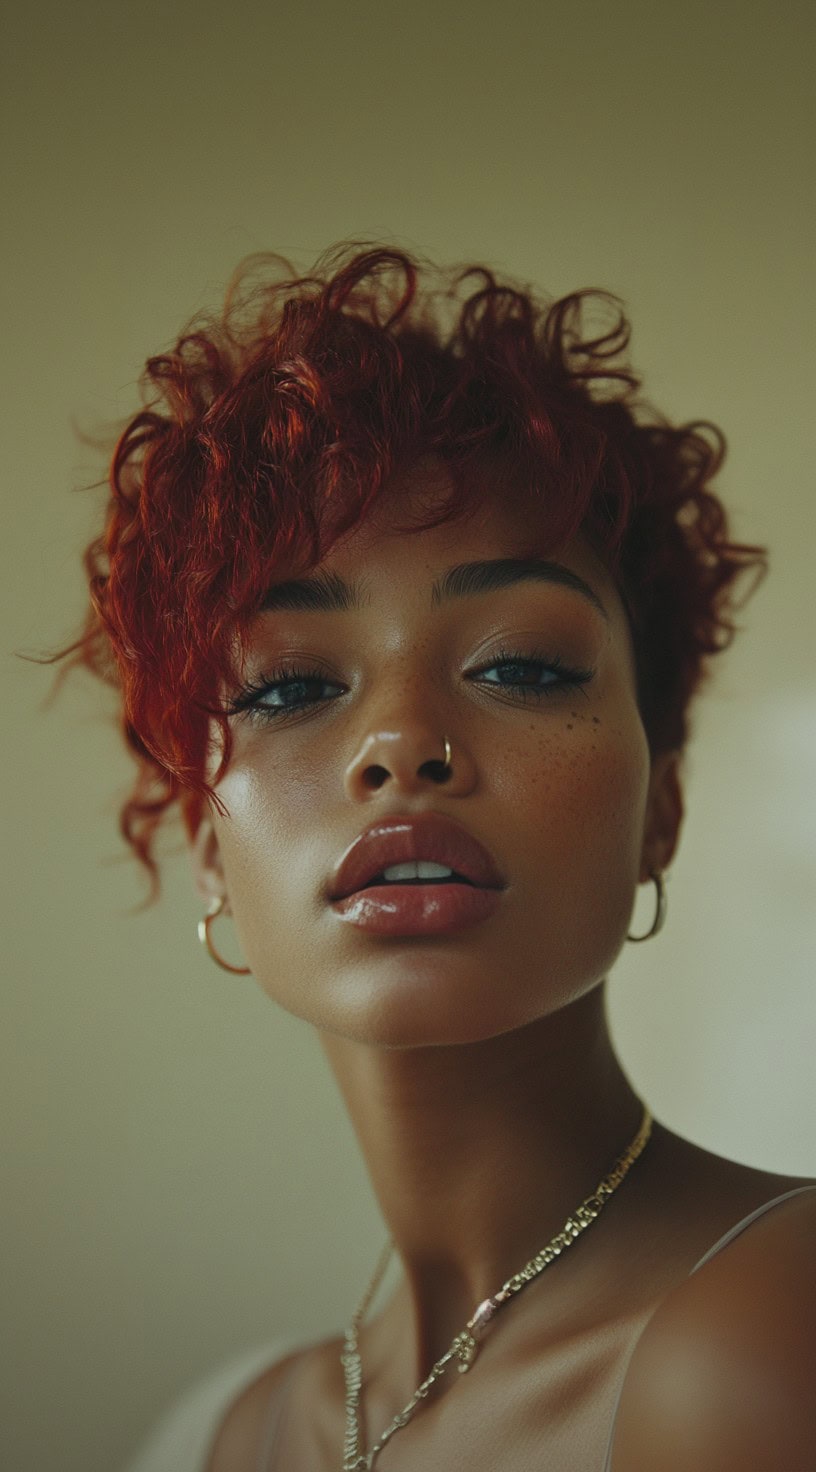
column 416, row 909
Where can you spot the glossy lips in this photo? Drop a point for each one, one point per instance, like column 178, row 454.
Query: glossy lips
column 415, row 908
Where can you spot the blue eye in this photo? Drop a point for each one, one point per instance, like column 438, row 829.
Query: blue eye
column 283, row 692
column 530, row 675
column 290, row 690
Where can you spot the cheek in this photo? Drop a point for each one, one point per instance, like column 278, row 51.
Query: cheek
column 262, row 846
column 583, row 825
column 584, row 801
column 270, row 798
column 609, row 794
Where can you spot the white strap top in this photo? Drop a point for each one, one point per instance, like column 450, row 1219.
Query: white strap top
column 183, row 1439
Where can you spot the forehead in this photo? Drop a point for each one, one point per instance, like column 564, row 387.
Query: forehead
column 394, row 546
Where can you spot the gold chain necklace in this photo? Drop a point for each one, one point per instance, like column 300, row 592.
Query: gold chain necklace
column 465, row 1346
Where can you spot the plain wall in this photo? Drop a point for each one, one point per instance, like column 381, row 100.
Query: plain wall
column 180, row 1178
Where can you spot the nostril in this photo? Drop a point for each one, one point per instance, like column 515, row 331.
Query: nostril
column 437, row 770
column 373, row 778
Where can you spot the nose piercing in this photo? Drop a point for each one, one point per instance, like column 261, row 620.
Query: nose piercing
column 447, row 760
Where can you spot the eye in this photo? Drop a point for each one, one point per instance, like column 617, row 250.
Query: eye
column 285, row 691
column 529, row 676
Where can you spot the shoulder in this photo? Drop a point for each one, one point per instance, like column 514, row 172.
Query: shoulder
column 252, row 1424
column 239, row 1438
column 182, row 1440
column 722, row 1377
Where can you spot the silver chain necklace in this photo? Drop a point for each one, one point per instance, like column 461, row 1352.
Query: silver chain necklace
column 465, row 1346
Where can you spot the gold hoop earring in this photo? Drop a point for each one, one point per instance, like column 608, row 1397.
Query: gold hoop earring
column 216, row 907
column 447, row 760
column 660, row 910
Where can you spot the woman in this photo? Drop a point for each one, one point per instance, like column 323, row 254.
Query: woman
column 407, row 594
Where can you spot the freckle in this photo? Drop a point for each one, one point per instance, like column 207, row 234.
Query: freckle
column 595, row 721
column 569, row 725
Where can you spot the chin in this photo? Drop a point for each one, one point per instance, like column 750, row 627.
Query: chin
column 424, row 999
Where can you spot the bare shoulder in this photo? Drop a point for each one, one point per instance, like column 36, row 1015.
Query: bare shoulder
column 722, row 1377
column 240, row 1437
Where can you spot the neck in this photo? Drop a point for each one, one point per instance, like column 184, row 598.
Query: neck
column 478, row 1154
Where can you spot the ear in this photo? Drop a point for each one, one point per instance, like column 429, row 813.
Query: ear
column 205, row 858
column 664, row 815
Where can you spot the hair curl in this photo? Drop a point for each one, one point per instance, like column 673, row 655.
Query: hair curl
column 270, row 431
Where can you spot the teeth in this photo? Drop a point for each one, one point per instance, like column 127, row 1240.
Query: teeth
column 416, row 869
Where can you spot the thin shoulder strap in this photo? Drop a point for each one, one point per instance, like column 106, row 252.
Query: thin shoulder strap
column 746, row 1222
column 277, row 1405
column 712, row 1252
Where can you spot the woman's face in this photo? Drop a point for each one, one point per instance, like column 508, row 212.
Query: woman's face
column 528, row 672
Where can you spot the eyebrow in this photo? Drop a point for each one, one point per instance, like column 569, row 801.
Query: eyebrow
column 329, row 593
column 485, row 577
column 326, row 592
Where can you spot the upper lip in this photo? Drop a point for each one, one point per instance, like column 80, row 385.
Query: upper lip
column 396, row 840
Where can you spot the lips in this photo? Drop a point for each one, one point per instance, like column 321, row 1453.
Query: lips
column 423, row 836
column 413, row 906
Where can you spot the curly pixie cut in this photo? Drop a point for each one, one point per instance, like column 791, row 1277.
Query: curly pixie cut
column 270, row 431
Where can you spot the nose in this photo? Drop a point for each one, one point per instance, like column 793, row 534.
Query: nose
column 409, row 759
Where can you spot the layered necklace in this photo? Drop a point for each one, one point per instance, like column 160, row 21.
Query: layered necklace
column 465, row 1346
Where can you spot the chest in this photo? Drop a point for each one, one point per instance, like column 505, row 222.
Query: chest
column 553, row 1413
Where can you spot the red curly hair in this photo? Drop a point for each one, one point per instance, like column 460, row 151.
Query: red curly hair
column 269, row 432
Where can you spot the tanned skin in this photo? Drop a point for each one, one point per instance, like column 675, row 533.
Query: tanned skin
column 478, row 1068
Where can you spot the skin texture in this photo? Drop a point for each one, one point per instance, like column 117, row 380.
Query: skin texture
column 558, row 787
column 477, row 1067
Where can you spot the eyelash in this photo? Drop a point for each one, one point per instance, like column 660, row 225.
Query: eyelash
column 247, row 700
column 567, row 678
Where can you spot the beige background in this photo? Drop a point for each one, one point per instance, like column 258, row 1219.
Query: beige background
column 180, row 1180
